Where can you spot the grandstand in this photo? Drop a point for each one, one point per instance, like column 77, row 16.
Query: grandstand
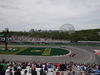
column 49, row 68
column 37, row 40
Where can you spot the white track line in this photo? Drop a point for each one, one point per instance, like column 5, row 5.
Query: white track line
column 86, row 52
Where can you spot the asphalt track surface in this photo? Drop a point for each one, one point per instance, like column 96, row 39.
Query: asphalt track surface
column 83, row 54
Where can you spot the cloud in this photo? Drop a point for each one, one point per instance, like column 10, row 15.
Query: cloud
column 48, row 14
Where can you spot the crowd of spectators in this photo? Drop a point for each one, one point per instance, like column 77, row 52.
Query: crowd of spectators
column 35, row 39
column 29, row 39
column 25, row 39
column 40, row 68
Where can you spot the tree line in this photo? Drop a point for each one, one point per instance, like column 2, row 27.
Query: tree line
column 81, row 35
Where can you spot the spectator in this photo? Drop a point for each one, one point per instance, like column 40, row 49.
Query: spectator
column 3, row 60
column 62, row 73
column 17, row 72
column 81, row 73
column 37, row 65
column 23, row 66
column 30, row 68
column 50, row 65
column 57, row 73
column 2, row 71
column 34, row 72
column 25, row 72
column 41, row 66
column 9, row 72
column 72, row 68
column 62, row 67
column 42, row 72
column 73, row 72
column 15, row 67
column 97, row 72
column 4, row 65
column 68, row 72
column 46, row 67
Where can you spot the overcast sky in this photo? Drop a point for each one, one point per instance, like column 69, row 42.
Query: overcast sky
column 20, row 15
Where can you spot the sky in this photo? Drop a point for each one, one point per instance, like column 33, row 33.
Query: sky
column 20, row 15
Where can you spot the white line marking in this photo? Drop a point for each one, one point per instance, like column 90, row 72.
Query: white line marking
column 86, row 52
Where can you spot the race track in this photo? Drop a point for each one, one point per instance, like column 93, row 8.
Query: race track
column 83, row 54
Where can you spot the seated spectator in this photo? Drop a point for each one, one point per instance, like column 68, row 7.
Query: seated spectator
column 19, row 67
column 17, row 72
column 42, row 72
column 62, row 73
column 4, row 65
column 68, row 72
column 3, row 60
column 23, row 66
column 62, row 67
column 73, row 73
column 97, row 72
column 58, row 66
column 50, row 65
column 46, row 67
column 41, row 66
column 2, row 71
column 29, row 70
column 15, row 67
column 57, row 73
column 25, row 72
column 9, row 72
column 33, row 67
column 81, row 73
column 34, row 72
column 37, row 65
column 72, row 68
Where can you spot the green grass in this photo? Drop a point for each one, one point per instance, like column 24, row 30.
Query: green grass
column 19, row 49
column 31, row 51
column 58, row 51
column 36, row 51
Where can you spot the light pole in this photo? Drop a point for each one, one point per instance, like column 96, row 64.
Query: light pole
column 5, row 32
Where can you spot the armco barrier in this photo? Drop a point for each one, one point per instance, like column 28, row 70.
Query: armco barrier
column 53, row 44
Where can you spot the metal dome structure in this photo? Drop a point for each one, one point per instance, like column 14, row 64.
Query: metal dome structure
column 67, row 28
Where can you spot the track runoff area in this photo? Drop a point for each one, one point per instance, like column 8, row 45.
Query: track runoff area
column 57, row 54
column 35, row 51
